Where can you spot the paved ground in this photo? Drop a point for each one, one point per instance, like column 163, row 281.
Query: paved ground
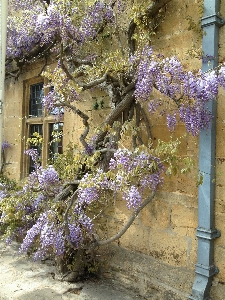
column 23, row 279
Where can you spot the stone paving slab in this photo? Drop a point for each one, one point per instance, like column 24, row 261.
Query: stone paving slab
column 23, row 279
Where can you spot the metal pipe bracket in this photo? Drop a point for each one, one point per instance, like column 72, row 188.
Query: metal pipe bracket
column 212, row 19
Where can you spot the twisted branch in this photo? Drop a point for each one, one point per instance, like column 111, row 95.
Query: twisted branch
column 97, row 242
column 82, row 115
column 146, row 121
column 65, row 218
column 126, row 102
column 85, row 86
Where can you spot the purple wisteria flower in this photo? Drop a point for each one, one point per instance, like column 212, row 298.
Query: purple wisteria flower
column 96, row 14
column 3, row 194
column 33, row 153
column 37, row 201
column 151, row 181
column 75, row 234
column 48, row 179
column 121, row 157
column 195, row 118
column 51, row 236
column 33, row 232
column 88, row 195
column 5, row 145
column 59, row 242
column 86, row 222
column 171, row 121
column 153, row 105
column 132, row 197
column 89, row 149
column 191, row 92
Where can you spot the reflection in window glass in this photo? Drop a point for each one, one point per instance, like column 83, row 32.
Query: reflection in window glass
column 36, row 96
column 55, row 139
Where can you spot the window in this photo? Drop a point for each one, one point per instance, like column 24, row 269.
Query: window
column 37, row 120
column 36, row 96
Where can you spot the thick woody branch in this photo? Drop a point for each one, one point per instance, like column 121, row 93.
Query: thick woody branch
column 124, row 104
column 106, row 150
column 146, row 121
column 15, row 74
column 94, row 83
column 85, row 86
column 138, row 110
column 126, row 226
column 67, row 190
column 80, row 62
column 65, row 218
column 81, row 115
column 130, row 33
column 37, row 52
column 130, row 87
column 150, row 12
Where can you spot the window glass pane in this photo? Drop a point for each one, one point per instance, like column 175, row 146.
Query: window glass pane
column 55, row 139
column 35, row 128
column 36, row 96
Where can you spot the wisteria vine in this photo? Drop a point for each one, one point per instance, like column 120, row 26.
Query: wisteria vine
column 56, row 211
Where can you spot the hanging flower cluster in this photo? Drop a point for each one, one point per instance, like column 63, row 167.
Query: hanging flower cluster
column 190, row 92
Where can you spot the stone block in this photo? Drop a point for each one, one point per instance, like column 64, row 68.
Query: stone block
column 219, row 202
column 220, row 225
column 98, row 116
column 156, row 214
column 136, row 239
column 220, row 261
column 167, row 247
column 182, row 216
column 148, row 275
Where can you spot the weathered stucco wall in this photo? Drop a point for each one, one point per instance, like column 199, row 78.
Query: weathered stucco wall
column 158, row 253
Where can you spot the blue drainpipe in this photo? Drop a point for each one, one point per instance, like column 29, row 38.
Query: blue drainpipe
column 206, row 232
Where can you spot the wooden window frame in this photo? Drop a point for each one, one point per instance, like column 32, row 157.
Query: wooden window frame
column 45, row 120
